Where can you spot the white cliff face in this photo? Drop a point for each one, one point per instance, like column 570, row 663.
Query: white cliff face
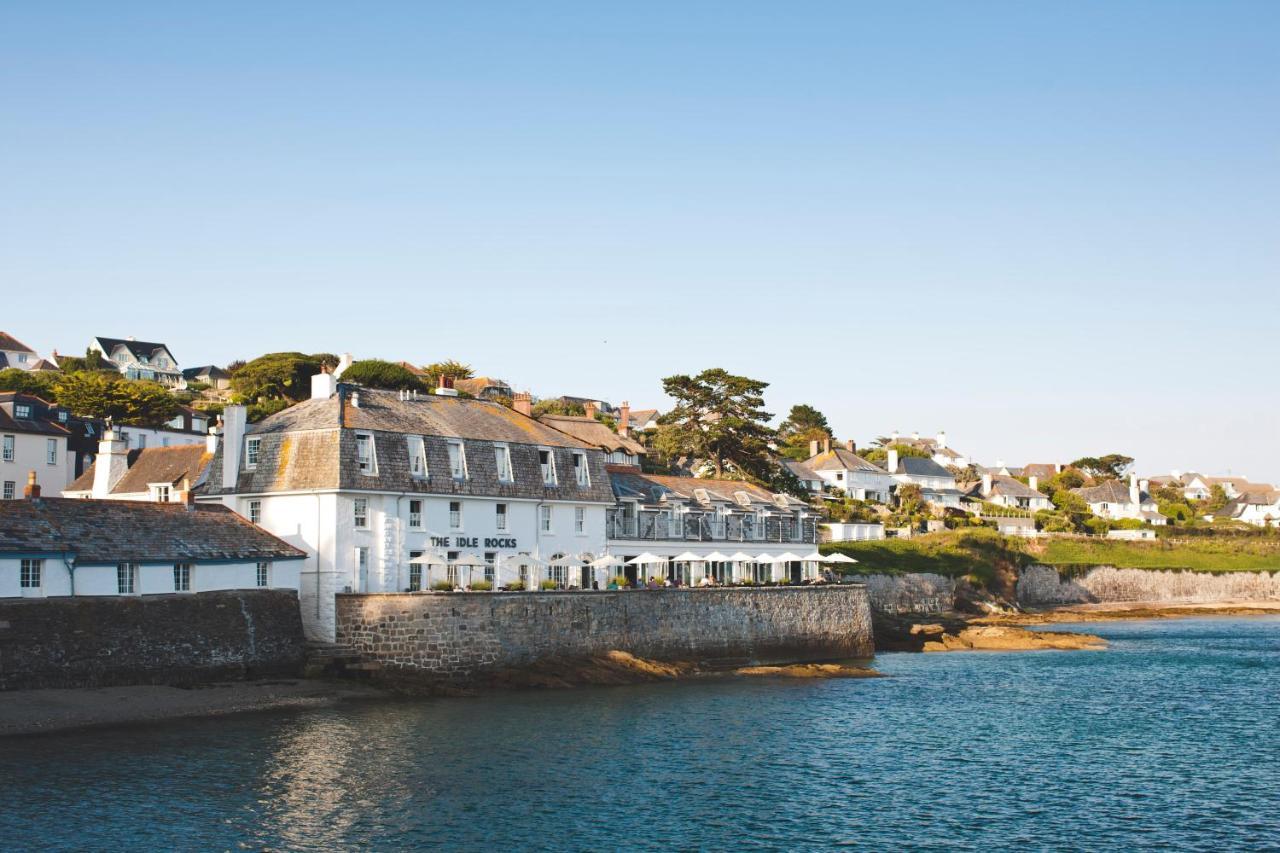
column 1040, row 586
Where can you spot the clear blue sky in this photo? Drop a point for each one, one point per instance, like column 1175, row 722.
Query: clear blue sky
column 1051, row 229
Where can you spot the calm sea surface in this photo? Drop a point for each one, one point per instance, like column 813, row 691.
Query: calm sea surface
column 1169, row 739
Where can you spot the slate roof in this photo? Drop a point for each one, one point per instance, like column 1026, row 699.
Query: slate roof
column 842, row 459
column 1041, row 470
column 1003, row 485
column 479, row 384
column 917, row 466
column 652, row 488
column 152, row 465
column 313, row 446
column 40, row 424
column 1112, row 491
column 114, row 531
column 593, row 432
column 137, row 348
column 802, row 471
column 9, row 342
column 637, row 418
column 210, row 370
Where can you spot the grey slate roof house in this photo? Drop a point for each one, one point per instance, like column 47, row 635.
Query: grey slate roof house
column 140, row 359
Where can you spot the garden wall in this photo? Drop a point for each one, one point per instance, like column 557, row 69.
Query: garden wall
column 1042, row 586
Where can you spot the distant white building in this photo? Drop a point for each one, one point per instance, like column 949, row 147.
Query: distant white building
column 31, row 441
column 852, row 531
column 1260, row 508
column 937, row 448
column 155, row 474
column 844, row 470
column 14, row 353
column 1007, row 492
column 937, row 484
column 1113, row 500
column 140, row 360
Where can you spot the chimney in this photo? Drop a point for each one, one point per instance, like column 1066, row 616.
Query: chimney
column 323, row 384
column 343, row 363
column 893, row 439
column 915, row 436
column 624, row 418
column 211, row 441
column 1034, row 482
column 999, row 464
column 986, row 484
column 1144, row 485
column 942, row 439
column 523, row 403
column 1134, row 495
column 32, row 491
column 112, row 463
column 234, row 419
column 444, row 386
column 850, row 445
column 892, row 462
column 826, row 445
column 590, row 409
column 813, row 448
column 185, row 494
column 355, row 399
column 1177, row 475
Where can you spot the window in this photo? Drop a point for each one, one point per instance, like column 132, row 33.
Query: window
column 548, row 464
column 415, row 515
column 32, row 572
column 10, row 490
column 8, row 449
column 457, row 460
column 160, row 494
column 365, row 453
column 142, row 441
column 360, row 512
column 455, row 515
column 489, row 574
column 417, row 457
column 88, row 429
column 415, row 572
column 255, row 512
column 252, row 449
column 581, row 473
column 22, row 358
column 262, row 575
column 503, row 455
column 579, row 520
column 127, row 578
column 500, row 519
column 22, row 411
column 62, row 417
column 544, row 518
column 182, row 577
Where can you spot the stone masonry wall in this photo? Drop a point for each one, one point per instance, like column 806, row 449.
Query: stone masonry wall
column 1042, row 586
column 161, row 639
column 455, row 637
column 911, row 593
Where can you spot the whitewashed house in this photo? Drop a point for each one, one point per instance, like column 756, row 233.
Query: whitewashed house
column 937, row 484
column 390, row 491
column 937, row 448
column 1260, row 508
column 851, row 531
column 14, row 353
column 140, row 360
column 157, row 474
column 1008, row 492
column 30, row 440
column 687, row 528
column 61, row 547
column 843, row 469
column 1112, row 499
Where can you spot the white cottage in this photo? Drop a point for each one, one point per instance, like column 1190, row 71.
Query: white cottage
column 1112, row 500
column 31, row 440
column 843, row 469
column 390, row 491
column 14, row 353
column 137, row 359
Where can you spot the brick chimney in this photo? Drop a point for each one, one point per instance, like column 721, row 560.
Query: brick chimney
column 523, row 403
column 850, row 445
column 624, row 418
column 32, row 490
column 444, row 386
column 590, row 409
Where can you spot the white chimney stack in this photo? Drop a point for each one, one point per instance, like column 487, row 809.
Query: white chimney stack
column 942, row 439
column 234, row 419
column 1134, row 495
column 1034, row 482
column 211, row 441
column 344, row 362
column 986, row 484
column 892, row 462
column 323, row 385
column 813, row 448
column 112, row 463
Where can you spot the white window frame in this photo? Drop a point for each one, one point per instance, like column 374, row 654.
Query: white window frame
column 580, row 520
column 31, row 576
column 415, row 572
column 360, row 513
column 182, row 573
column 455, row 515
column 548, row 469
column 51, row 451
column 126, row 578
column 161, row 493
column 7, row 443
column 581, row 472
column 417, row 457
column 252, row 452
column 255, row 511
column 544, row 519
column 500, row 513
column 415, row 515
column 369, row 461
column 262, row 574
column 22, row 411
column 9, row 491
column 502, row 458
column 458, row 464
column 142, row 441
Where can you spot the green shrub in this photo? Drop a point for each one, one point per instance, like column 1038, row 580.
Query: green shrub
column 619, row 580
column 515, row 586
column 548, row 584
column 1097, row 526
column 442, row 586
column 481, row 586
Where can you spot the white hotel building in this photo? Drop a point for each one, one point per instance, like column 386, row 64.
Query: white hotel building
column 368, row 481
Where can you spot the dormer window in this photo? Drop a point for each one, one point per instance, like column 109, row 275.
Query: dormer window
column 581, row 473
column 365, row 453
column 457, row 460
column 160, row 493
column 417, row 457
column 502, row 456
column 547, row 462
column 252, row 449
column 22, row 411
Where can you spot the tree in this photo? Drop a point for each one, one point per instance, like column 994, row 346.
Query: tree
column 279, row 375
column 1109, row 467
column 720, row 418
column 803, row 425
column 375, row 373
column 880, row 455
column 557, row 407
column 1070, row 503
column 96, row 394
column 1217, row 499
column 93, row 360
column 38, row 384
column 450, row 368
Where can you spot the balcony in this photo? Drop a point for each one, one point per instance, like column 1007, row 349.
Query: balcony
column 705, row 527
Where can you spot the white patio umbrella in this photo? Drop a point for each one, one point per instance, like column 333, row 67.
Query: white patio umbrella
column 787, row 557
column 470, row 561
column 815, row 557
column 740, row 557
column 431, row 561
column 689, row 557
column 608, row 561
column 716, row 557
column 764, row 558
column 644, row 558
column 569, row 562
column 838, row 558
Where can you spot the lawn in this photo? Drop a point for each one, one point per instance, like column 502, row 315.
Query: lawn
column 1209, row 555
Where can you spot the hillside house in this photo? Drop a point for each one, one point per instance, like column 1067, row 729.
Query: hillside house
column 844, row 470
column 156, row 474
column 140, row 360
column 14, row 353
column 1112, row 499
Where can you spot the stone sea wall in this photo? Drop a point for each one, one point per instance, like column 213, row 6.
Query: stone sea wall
column 459, row 637
column 160, row 639
column 910, row 593
column 1042, row 586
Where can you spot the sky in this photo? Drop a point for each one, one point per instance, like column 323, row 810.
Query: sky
column 1052, row 230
